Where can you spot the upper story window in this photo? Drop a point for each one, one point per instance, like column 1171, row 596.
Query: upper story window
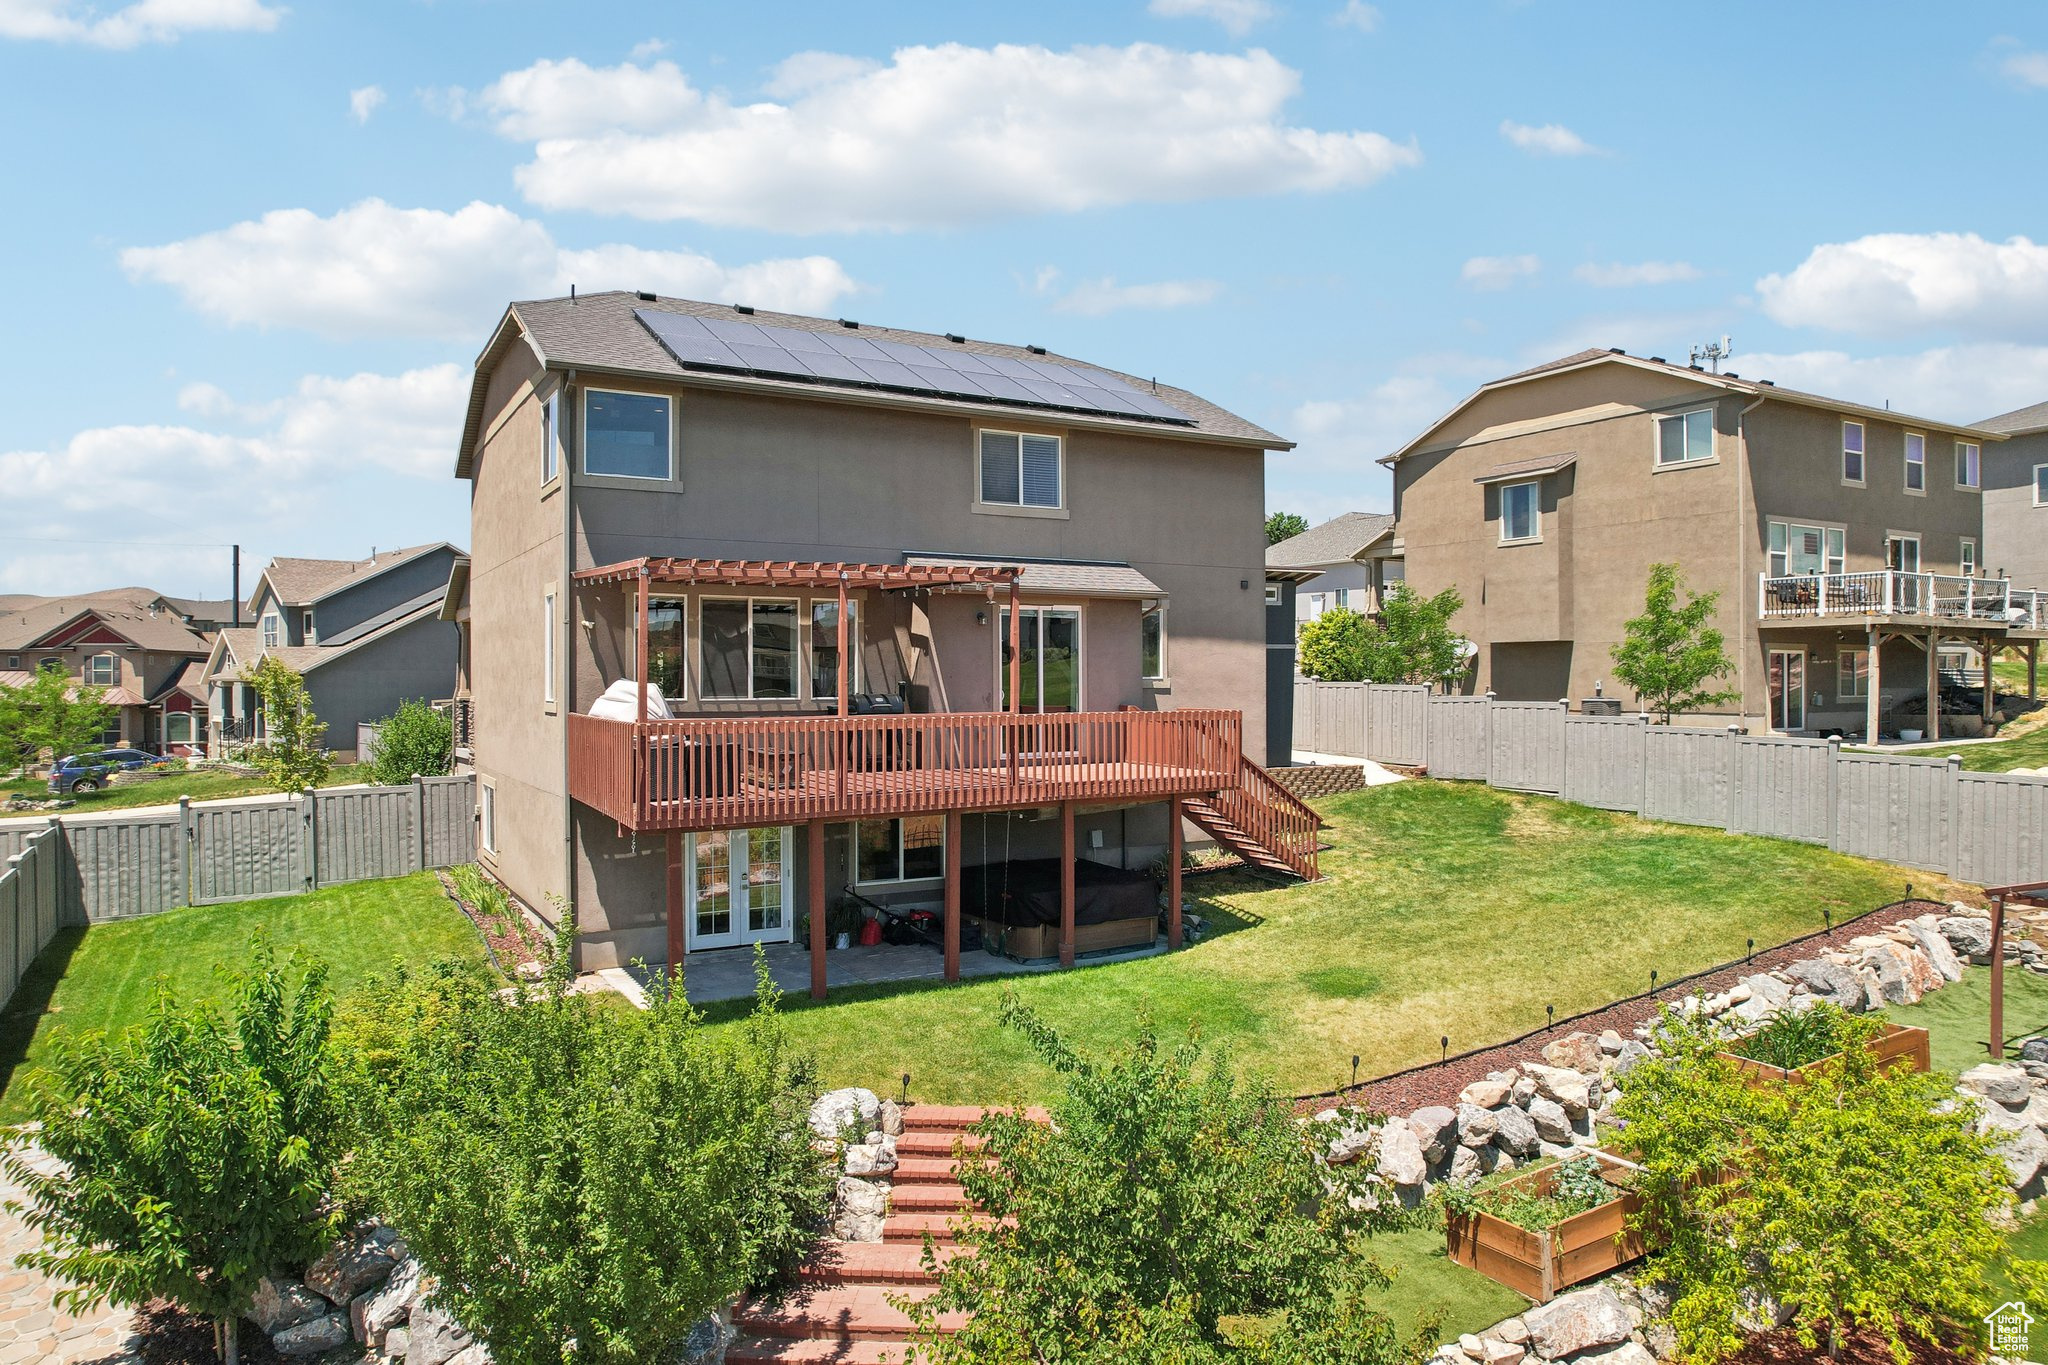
column 272, row 629
column 628, row 435
column 1969, row 456
column 1020, row 470
column 547, row 648
column 1152, row 641
column 102, row 670
column 665, row 646
column 1916, row 462
column 1519, row 518
column 1273, row 596
column 1801, row 549
column 306, row 631
column 747, row 648
column 1685, row 437
column 2041, row 485
column 551, row 437
column 1852, row 452
column 1969, row 557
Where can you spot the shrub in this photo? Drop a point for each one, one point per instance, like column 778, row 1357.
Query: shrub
column 414, row 740
column 1791, row 1040
column 291, row 757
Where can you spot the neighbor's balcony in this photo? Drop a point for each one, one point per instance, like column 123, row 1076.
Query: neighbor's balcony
column 740, row 772
column 1883, row 594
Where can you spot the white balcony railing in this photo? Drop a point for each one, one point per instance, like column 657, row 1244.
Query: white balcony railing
column 1894, row 592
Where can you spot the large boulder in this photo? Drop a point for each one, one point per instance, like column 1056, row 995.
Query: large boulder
column 284, row 1303
column 1550, row 1121
column 311, row 1338
column 891, row 1118
column 1399, row 1156
column 361, row 1259
column 436, row 1338
column 1765, row 996
column 1969, row 935
column 1830, row 981
column 1940, row 954
column 1628, row 1353
column 1469, row 1163
column 1476, row 1126
column 1561, row 1085
column 858, row 1208
column 473, row 1354
column 1436, row 1129
column 2024, row 1154
column 840, row 1114
column 870, row 1159
column 1588, row 1320
column 1898, row 980
column 377, row 1312
column 1575, row 1052
column 1515, row 1132
column 1487, row 1094
column 2006, row 1085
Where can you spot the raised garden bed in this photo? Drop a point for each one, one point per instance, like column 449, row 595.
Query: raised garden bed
column 1542, row 1262
column 1896, row 1045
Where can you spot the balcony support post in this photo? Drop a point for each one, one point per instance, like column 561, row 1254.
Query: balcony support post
column 2033, row 674
column 1173, row 861
column 1988, row 690
column 674, row 886
column 641, row 762
column 1066, row 883
column 844, row 670
column 1016, row 678
column 814, row 881
column 1933, row 685
column 1874, row 645
column 952, row 925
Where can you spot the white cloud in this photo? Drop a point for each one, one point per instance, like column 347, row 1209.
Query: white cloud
column 363, row 102
column 1498, row 272
column 1619, row 275
column 941, row 136
column 1893, row 283
column 1094, row 298
column 376, row 270
column 1359, row 15
column 1236, row 16
column 2028, row 68
column 1550, row 139
column 146, row 21
column 648, row 47
column 802, row 72
column 1964, row 383
column 1331, row 470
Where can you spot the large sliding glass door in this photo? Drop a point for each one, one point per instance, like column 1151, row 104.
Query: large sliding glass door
column 1049, row 641
column 1788, row 690
column 739, row 887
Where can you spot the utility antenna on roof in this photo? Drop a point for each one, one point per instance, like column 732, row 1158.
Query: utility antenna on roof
column 1713, row 353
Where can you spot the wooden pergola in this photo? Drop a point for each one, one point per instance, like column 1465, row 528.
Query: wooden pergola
column 2025, row 893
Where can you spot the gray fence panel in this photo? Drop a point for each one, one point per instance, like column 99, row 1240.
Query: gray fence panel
column 2002, row 829
column 1685, row 775
column 1899, row 810
column 1603, row 761
column 451, row 821
column 1781, row 788
column 1339, row 713
column 1527, row 746
column 1397, row 725
column 1304, row 714
column 243, row 851
column 1458, row 737
column 14, row 838
column 364, row 833
column 126, row 868
column 18, row 947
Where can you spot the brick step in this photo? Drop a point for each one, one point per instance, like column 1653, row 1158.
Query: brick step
column 953, row 1117
column 783, row 1351
column 859, row 1312
column 934, row 1142
column 927, row 1199
column 886, row 1263
column 925, row 1170
column 912, row 1227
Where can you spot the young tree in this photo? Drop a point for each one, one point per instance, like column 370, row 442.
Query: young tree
column 1669, row 653
column 1166, row 1198
column 1411, row 642
column 50, row 712
column 1334, row 646
column 1860, row 1197
column 197, row 1150
column 291, row 758
column 1281, row 525
column 413, row 740
column 585, row 1184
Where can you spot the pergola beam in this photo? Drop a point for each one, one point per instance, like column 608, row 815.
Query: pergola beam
column 814, row 573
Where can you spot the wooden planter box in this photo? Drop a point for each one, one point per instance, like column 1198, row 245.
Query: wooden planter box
column 1541, row 1265
column 1896, row 1046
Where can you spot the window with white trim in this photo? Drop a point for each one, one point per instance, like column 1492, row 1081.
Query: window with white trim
column 551, row 437
column 272, row 629
column 1969, row 459
column 102, row 670
column 825, row 648
column 1916, row 462
column 1152, row 641
column 746, row 649
column 1020, row 469
column 1852, row 452
column 178, row 727
column 1685, row 437
column 1852, row 673
column 2041, row 485
column 1343, row 599
column 906, row 850
column 1519, row 517
column 547, row 648
column 1969, row 557
column 665, row 646
column 487, row 816
column 306, row 632
column 1801, row 549
column 1273, row 595
column 628, row 435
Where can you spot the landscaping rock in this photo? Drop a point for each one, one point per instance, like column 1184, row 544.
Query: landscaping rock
column 1970, row 936
column 1831, row 981
column 2034, row 1050
column 1487, row 1094
column 1469, row 1163
column 311, row 1338
column 438, row 1339
column 1575, row 1052
column 1436, row 1129
column 1567, row 1088
column 361, row 1259
column 870, row 1159
column 2024, row 1153
column 1476, row 1126
column 1348, row 1144
column 1897, row 983
column 1492, row 1352
column 284, row 1303
column 1766, row 996
column 1401, row 1163
column 1515, row 1132
column 1937, row 950
column 2008, row 1085
column 891, row 1120
column 706, row 1343
column 839, row 1112
column 1610, row 1043
column 1549, row 1120
column 1632, row 1052
column 386, row 1308
column 1587, row 1320
column 1628, row 1353
column 1521, row 1092
column 1511, row 1330
column 397, row 1344
column 858, row 1208
column 473, row 1354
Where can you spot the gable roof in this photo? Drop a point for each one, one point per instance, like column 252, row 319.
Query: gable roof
column 598, row 333
column 33, row 619
column 2020, row 421
column 303, row 582
column 1731, row 383
column 237, row 648
column 1336, row 541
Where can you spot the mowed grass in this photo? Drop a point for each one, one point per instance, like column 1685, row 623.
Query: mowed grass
column 1448, row 910
column 165, row 791
column 105, row 977
column 1958, row 1016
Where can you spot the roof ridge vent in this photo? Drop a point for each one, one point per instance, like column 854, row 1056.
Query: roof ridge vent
column 1616, row 350
column 1658, row 360
column 849, row 323
column 1035, row 350
column 1768, row 383
column 644, row 296
column 746, row 308
column 955, row 337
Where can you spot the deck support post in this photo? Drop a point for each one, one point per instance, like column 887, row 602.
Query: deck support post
column 674, row 886
column 2033, row 676
column 1874, row 644
column 641, row 762
column 1989, row 690
column 1066, row 883
column 1016, row 652
column 1996, row 1042
column 952, row 926
column 1173, row 861
column 814, row 878
column 1933, row 685
column 843, row 670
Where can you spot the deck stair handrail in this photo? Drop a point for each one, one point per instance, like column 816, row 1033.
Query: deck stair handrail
column 1263, row 822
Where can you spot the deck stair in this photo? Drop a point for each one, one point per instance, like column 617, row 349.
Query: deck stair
column 1262, row 822
column 839, row 1311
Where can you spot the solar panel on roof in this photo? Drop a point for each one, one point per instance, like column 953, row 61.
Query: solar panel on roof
column 793, row 353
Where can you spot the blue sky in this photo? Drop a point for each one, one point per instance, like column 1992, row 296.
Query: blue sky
column 257, row 246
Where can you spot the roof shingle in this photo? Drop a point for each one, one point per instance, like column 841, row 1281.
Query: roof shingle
column 1333, row 542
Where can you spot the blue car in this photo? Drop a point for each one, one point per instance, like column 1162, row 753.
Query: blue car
column 89, row 772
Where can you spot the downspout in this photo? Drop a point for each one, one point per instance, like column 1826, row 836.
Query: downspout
column 571, row 452
column 1745, row 637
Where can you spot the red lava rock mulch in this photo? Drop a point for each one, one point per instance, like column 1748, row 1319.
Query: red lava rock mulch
column 1440, row 1084
column 168, row 1335
column 500, row 932
column 1860, row 1348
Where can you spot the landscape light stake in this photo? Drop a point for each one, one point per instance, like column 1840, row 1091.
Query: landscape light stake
column 1752, row 951
column 1354, row 1071
column 1549, row 1017
column 1445, row 1043
column 906, row 1089
column 1653, row 980
column 1827, row 916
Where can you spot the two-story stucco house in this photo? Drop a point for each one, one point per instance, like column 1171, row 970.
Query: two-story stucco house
column 140, row 648
column 1352, row 557
column 2016, row 495
column 367, row 635
column 1846, row 542
column 771, row 616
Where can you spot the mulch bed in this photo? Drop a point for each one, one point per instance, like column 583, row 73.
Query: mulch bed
column 167, row 1335
column 500, row 932
column 1440, row 1084
column 1861, row 1348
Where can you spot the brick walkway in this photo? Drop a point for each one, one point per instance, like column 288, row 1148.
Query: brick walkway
column 32, row 1327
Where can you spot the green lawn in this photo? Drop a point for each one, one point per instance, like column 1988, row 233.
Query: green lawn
column 1958, row 1016
column 2029, row 750
column 1447, row 909
column 200, row 786
column 102, row 978
column 1427, row 1280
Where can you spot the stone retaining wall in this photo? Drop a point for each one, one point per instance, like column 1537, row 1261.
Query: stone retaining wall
column 1322, row 779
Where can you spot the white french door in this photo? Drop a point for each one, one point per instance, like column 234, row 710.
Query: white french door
column 739, row 887
column 1049, row 640
column 1788, row 689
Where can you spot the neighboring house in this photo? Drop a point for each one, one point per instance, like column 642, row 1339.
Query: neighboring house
column 455, row 609
column 1844, row 540
column 1282, row 630
column 132, row 643
column 366, row 634
column 1053, row 571
column 2016, row 496
column 1354, row 557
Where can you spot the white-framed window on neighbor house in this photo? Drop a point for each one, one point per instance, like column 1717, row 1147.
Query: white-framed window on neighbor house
column 628, row 435
column 1020, row 469
column 906, row 850
column 550, row 437
column 547, row 648
column 1853, row 674
column 102, row 670
column 1273, row 595
column 746, row 648
column 273, row 630
column 1520, row 515
column 1152, row 641
column 1852, row 453
column 1797, row 548
column 1685, row 437
column 1969, row 464
column 487, row 816
column 1916, row 462
column 49, row 661
column 307, row 634
column 1343, row 599
column 1968, row 557
column 2041, row 485
column 178, row 727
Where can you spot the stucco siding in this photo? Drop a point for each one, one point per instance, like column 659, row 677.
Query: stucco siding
column 2015, row 529
column 367, row 683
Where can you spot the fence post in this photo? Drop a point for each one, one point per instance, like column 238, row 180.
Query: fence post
column 185, row 837
column 419, row 820
column 1833, row 784
column 1953, row 798
column 1643, row 764
column 309, row 833
column 1734, row 769
column 1486, row 720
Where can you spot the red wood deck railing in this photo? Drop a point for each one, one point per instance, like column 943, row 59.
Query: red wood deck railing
column 736, row 772
column 1278, row 820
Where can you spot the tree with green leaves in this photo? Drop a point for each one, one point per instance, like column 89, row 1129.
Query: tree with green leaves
column 291, row 757
column 1858, row 1198
column 51, row 713
column 197, row 1150
column 1170, row 1212
column 1283, row 526
column 586, row 1184
column 413, row 741
column 1670, row 653
column 1412, row 641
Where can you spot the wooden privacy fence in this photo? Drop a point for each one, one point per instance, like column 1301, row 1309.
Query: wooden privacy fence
column 1983, row 828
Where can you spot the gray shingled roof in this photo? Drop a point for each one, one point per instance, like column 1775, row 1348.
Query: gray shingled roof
column 298, row 582
column 1335, row 541
column 2019, row 420
column 599, row 332
column 22, row 625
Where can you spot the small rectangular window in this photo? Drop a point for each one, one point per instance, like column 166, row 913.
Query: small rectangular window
column 1273, row 598
column 2041, row 485
column 102, row 670
column 1685, row 437
column 1916, row 462
column 550, row 437
column 1853, row 666
column 665, row 646
column 825, row 649
column 1969, row 557
column 487, row 801
column 1152, row 641
column 306, row 631
column 1968, row 455
column 626, row 435
column 271, row 627
column 547, row 649
column 1019, row 470
column 910, row 849
column 1518, row 515
column 1343, row 599
column 1852, row 452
